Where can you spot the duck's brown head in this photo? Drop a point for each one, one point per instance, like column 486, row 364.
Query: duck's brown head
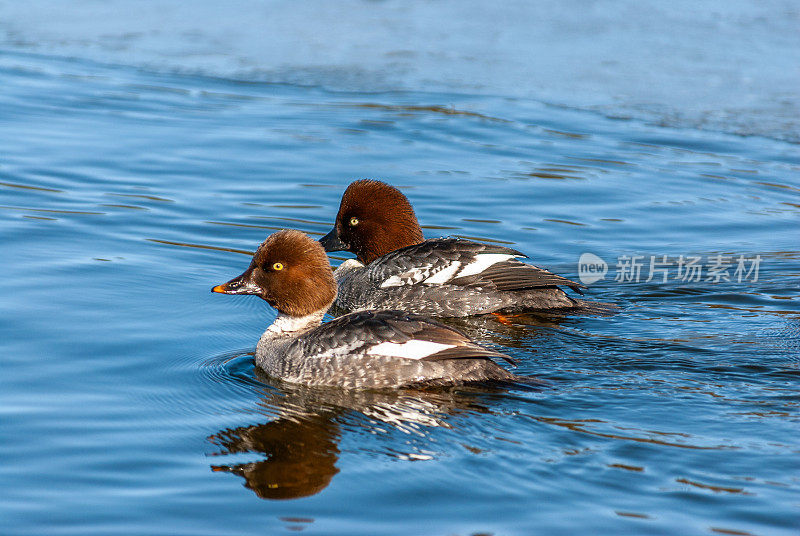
column 291, row 272
column 374, row 219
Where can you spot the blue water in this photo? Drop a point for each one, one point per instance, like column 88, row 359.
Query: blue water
column 129, row 401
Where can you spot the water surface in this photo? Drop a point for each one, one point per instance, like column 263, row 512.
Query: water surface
column 130, row 404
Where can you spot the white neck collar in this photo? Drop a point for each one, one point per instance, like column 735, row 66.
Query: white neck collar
column 292, row 325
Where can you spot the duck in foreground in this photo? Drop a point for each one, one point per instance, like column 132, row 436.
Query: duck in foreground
column 396, row 268
column 366, row 349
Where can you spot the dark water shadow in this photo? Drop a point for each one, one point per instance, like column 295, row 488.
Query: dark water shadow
column 298, row 451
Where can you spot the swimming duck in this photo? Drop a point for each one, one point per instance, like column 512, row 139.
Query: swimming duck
column 396, row 268
column 364, row 349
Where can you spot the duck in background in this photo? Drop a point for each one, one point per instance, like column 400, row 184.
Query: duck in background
column 396, row 268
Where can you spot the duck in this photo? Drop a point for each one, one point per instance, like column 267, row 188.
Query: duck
column 397, row 268
column 368, row 349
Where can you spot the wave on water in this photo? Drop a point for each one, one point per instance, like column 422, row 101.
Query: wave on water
column 722, row 66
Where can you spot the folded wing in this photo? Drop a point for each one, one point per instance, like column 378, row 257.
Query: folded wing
column 392, row 333
column 452, row 261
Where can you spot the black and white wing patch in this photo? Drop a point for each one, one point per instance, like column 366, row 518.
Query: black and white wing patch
column 393, row 334
column 454, row 261
column 515, row 275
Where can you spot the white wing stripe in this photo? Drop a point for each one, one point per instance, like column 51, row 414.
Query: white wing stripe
column 393, row 281
column 443, row 276
column 483, row 261
column 413, row 349
column 410, row 277
column 455, row 269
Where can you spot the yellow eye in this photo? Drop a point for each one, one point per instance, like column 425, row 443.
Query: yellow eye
column 277, row 266
column 353, row 221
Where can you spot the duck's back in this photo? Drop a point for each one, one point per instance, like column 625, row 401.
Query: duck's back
column 449, row 277
column 380, row 349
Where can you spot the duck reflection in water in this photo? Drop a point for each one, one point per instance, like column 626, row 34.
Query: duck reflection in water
column 300, row 447
column 301, row 455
